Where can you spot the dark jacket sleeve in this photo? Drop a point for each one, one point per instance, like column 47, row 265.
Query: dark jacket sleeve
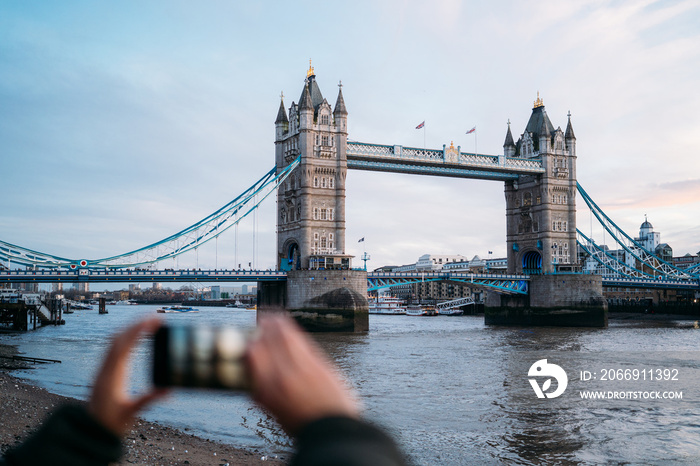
column 341, row 441
column 70, row 436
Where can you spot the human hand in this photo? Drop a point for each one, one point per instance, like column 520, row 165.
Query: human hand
column 292, row 378
column 109, row 403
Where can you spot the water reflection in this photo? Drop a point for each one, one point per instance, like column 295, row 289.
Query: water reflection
column 451, row 390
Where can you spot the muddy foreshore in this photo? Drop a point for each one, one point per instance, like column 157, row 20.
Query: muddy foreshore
column 25, row 406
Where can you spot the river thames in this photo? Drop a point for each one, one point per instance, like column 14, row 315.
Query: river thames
column 450, row 389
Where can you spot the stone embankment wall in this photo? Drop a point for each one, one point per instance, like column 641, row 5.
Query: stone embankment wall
column 320, row 300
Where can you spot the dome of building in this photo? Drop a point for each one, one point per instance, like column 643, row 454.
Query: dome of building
column 646, row 225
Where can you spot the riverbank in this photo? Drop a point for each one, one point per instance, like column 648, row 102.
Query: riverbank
column 24, row 407
column 649, row 316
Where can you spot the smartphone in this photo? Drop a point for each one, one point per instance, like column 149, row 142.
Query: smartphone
column 199, row 357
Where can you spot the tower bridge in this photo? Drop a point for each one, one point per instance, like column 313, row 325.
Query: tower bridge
column 314, row 273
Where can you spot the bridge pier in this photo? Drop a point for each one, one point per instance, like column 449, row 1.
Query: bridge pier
column 320, row 300
column 557, row 300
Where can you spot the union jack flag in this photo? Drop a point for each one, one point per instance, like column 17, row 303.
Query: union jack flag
column 421, row 125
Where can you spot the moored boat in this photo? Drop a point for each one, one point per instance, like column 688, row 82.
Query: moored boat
column 176, row 309
column 416, row 310
column 387, row 305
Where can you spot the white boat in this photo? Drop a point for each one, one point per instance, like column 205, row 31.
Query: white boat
column 236, row 305
column 454, row 311
column 417, row 310
column 387, row 305
column 126, row 302
column 176, row 309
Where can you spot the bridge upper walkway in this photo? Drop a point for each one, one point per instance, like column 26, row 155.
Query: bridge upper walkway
column 449, row 161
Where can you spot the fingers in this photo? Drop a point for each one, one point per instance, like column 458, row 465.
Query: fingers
column 114, row 366
column 109, row 402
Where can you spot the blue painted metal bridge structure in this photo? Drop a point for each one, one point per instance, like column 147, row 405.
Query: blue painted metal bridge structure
column 647, row 271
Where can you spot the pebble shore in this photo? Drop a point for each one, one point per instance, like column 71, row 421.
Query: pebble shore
column 24, row 407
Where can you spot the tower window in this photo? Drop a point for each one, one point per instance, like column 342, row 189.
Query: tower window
column 331, row 182
column 323, row 214
column 315, row 181
column 324, row 119
column 323, row 182
column 315, row 213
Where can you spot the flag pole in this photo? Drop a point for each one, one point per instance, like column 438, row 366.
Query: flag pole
column 476, row 151
column 424, row 146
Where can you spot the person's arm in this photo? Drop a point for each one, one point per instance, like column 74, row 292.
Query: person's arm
column 91, row 435
column 295, row 382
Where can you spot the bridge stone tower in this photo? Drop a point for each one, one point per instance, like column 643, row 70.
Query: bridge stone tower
column 321, row 292
column 311, row 202
column 541, row 209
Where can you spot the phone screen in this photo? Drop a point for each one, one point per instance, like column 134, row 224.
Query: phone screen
column 199, row 356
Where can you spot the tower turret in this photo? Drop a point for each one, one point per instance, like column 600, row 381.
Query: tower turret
column 306, row 108
column 281, row 122
column 570, row 137
column 509, row 145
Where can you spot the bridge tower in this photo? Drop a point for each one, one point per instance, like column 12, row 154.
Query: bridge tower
column 311, row 203
column 541, row 209
column 321, row 292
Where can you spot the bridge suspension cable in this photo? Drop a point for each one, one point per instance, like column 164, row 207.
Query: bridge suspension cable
column 648, row 261
column 185, row 240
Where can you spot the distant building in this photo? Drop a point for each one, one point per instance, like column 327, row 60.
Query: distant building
column 445, row 289
column 648, row 239
column 215, row 292
column 430, row 262
column 82, row 287
column 687, row 261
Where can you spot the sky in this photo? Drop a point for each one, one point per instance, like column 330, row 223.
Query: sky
column 122, row 123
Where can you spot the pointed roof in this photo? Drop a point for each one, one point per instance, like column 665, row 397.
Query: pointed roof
column 311, row 88
column 569, row 129
column 305, row 102
column 509, row 138
column 539, row 123
column 281, row 114
column 340, row 102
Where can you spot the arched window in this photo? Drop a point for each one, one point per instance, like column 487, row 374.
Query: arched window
column 330, row 214
column 331, row 182
column 315, row 181
column 316, row 214
column 323, row 182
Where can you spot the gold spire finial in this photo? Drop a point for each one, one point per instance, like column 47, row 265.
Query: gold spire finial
column 538, row 102
column 311, row 70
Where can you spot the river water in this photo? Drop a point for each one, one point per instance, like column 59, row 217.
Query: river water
column 450, row 389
